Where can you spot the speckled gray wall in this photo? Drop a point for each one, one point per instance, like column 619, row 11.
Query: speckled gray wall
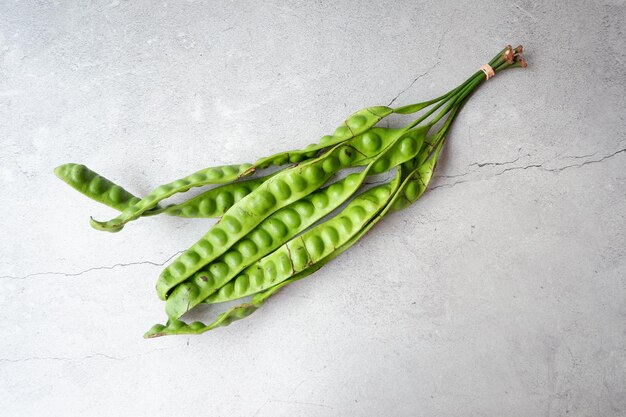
column 502, row 292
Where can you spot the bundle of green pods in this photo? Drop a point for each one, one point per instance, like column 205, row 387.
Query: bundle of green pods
column 271, row 231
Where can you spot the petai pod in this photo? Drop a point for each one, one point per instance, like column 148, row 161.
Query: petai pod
column 95, row 186
column 216, row 201
column 315, row 244
column 243, row 310
column 374, row 199
column 404, row 195
column 365, row 146
column 279, row 191
column 271, row 233
column 235, row 313
column 417, row 181
column 354, row 125
column 283, row 189
column 215, row 175
column 211, row 203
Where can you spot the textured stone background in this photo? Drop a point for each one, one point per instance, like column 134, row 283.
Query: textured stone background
column 501, row 293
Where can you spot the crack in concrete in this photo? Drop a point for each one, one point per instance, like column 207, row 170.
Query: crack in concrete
column 414, row 81
column 439, row 44
column 533, row 165
column 258, row 410
column 67, row 359
column 484, row 164
column 275, row 400
column 303, row 403
column 526, row 12
column 95, row 268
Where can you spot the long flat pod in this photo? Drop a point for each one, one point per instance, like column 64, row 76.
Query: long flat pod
column 243, row 310
column 214, row 175
column 310, row 247
column 370, row 202
column 95, row 186
column 211, row 203
column 271, row 233
column 404, row 146
column 356, row 124
column 413, row 186
column 279, row 191
column 275, row 230
column 353, row 126
column 216, row 201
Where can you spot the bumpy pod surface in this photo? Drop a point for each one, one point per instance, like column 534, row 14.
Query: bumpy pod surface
column 95, row 186
column 235, row 313
column 231, row 261
column 216, row 201
column 279, row 191
column 302, row 252
column 174, row 326
column 398, row 200
column 354, row 125
column 416, row 182
column 211, row 203
column 270, row 234
column 215, row 175
column 410, row 190
column 399, row 190
column 402, row 197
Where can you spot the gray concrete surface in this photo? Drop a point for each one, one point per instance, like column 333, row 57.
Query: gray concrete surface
column 500, row 293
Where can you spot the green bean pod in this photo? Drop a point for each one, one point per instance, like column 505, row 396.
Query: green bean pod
column 241, row 311
column 189, row 294
column 277, row 229
column 417, row 182
column 216, row 201
column 422, row 175
column 354, row 125
column 271, row 233
column 95, row 186
column 211, row 203
column 277, row 192
column 403, row 196
column 215, row 175
column 313, row 245
column 330, row 233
